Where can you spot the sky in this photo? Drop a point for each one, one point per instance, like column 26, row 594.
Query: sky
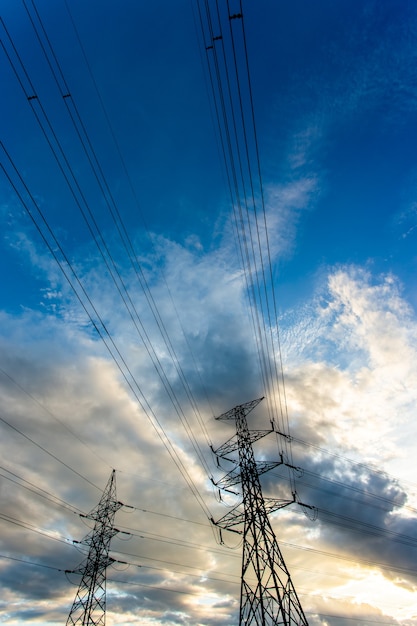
column 128, row 320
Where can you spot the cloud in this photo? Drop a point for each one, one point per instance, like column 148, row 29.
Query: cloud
column 81, row 421
column 72, row 409
column 369, row 67
column 360, row 341
column 345, row 386
column 285, row 207
column 351, row 363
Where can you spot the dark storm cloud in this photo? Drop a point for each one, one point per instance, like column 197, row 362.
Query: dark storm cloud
column 361, row 512
column 154, row 592
column 32, row 581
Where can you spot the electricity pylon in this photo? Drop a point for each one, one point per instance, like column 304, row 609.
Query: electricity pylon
column 268, row 597
column 89, row 606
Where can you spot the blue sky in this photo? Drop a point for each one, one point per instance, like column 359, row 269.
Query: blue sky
column 333, row 86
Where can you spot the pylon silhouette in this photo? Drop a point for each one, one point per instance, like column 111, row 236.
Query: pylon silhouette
column 268, row 596
column 89, row 606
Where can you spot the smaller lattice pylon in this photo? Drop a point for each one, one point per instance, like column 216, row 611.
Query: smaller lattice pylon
column 89, row 606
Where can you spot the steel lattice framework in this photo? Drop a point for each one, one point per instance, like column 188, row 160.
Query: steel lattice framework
column 268, row 596
column 89, row 606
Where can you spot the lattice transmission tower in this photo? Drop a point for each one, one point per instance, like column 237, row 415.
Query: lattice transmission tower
column 268, row 596
column 89, row 606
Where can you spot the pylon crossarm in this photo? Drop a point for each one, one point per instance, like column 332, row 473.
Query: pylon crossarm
column 101, row 510
column 236, row 516
column 229, row 446
column 232, row 478
column 232, row 518
column 245, row 408
column 265, row 466
column 310, row 511
column 111, row 532
column 232, row 444
column 273, row 504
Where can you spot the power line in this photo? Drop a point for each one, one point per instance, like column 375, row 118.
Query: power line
column 363, row 620
column 365, row 527
column 232, row 178
column 63, row 540
column 27, row 526
column 202, row 572
column 138, row 584
column 393, row 504
column 169, row 516
column 336, row 455
column 234, row 126
column 164, row 539
column 103, row 332
column 128, row 239
column 118, row 221
column 114, row 273
column 53, row 456
column 44, row 408
column 159, row 588
column 13, row 558
column 341, row 557
column 375, row 530
column 39, row 491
